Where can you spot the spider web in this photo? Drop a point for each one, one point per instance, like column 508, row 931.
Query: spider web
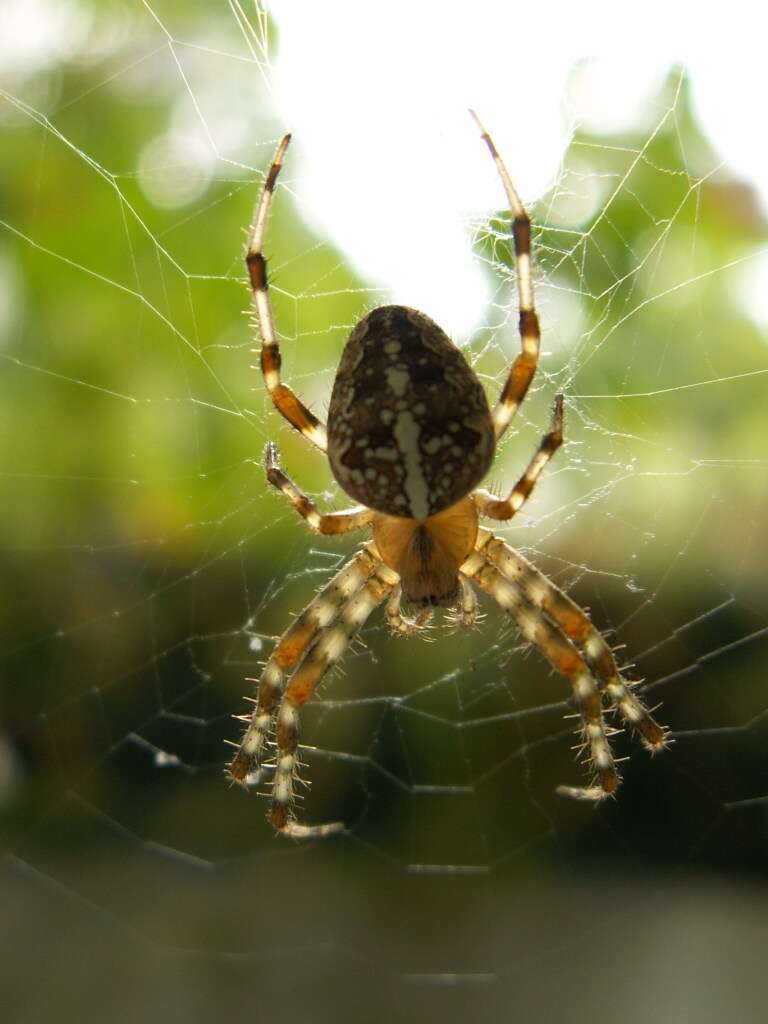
column 148, row 571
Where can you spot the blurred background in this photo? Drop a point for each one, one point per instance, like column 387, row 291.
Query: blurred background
column 147, row 569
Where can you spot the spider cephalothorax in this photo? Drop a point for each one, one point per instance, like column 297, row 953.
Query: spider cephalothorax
column 426, row 553
column 410, row 435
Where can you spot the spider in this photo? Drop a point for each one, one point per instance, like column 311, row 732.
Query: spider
column 410, row 435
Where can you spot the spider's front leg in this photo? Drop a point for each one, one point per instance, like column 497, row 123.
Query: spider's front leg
column 285, row 400
column 524, row 367
column 328, row 523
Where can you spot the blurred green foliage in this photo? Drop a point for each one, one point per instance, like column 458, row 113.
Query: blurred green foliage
column 146, row 563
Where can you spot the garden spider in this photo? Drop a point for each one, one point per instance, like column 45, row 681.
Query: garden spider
column 410, row 435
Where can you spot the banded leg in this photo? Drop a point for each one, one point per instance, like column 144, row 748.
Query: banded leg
column 524, row 367
column 566, row 660
column 290, row 648
column 326, row 650
column 576, row 625
column 286, row 402
column 496, row 508
column 331, row 522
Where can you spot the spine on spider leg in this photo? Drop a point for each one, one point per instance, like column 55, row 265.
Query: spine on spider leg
column 325, row 652
column 578, row 627
column 291, row 646
column 250, row 753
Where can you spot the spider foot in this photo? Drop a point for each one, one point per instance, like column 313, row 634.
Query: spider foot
column 248, row 767
column 587, row 794
column 659, row 740
column 623, row 697
column 286, row 825
column 241, row 766
column 245, row 773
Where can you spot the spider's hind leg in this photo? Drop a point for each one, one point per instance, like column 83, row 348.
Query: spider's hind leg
column 564, row 658
column 574, row 622
column 326, row 650
column 289, row 649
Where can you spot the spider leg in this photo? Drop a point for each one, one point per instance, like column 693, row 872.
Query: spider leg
column 524, row 367
column 467, row 607
column 564, row 657
column 398, row 623
column 330, row 522
column 495, row 508
column 289, row 649
column 286, row 402
column 327, row 649
column 576, row 625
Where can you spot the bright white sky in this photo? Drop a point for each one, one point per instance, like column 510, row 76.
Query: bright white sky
column 387, row 163
column 385, row 160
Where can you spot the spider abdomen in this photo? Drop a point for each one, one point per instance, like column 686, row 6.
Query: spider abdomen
column 409, row 428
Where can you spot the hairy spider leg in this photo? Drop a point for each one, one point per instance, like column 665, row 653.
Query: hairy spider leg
column 397, row 622
column 524, row 367
column 285, row 400
column 467, row 608
column 543, row 614
column 576, row 625
column 566, row 660
column 317, row 616
column 328, row 523
column 328, row 647
column 496, row 508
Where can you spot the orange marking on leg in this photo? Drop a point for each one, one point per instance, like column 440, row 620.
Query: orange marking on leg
column 295, row 642
column 304, row 681
column 240, row 767
column 278, row 816
column 287, row 736
column 576, row 626
column 567, row 663
column 292, row 409
column 519, row 379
